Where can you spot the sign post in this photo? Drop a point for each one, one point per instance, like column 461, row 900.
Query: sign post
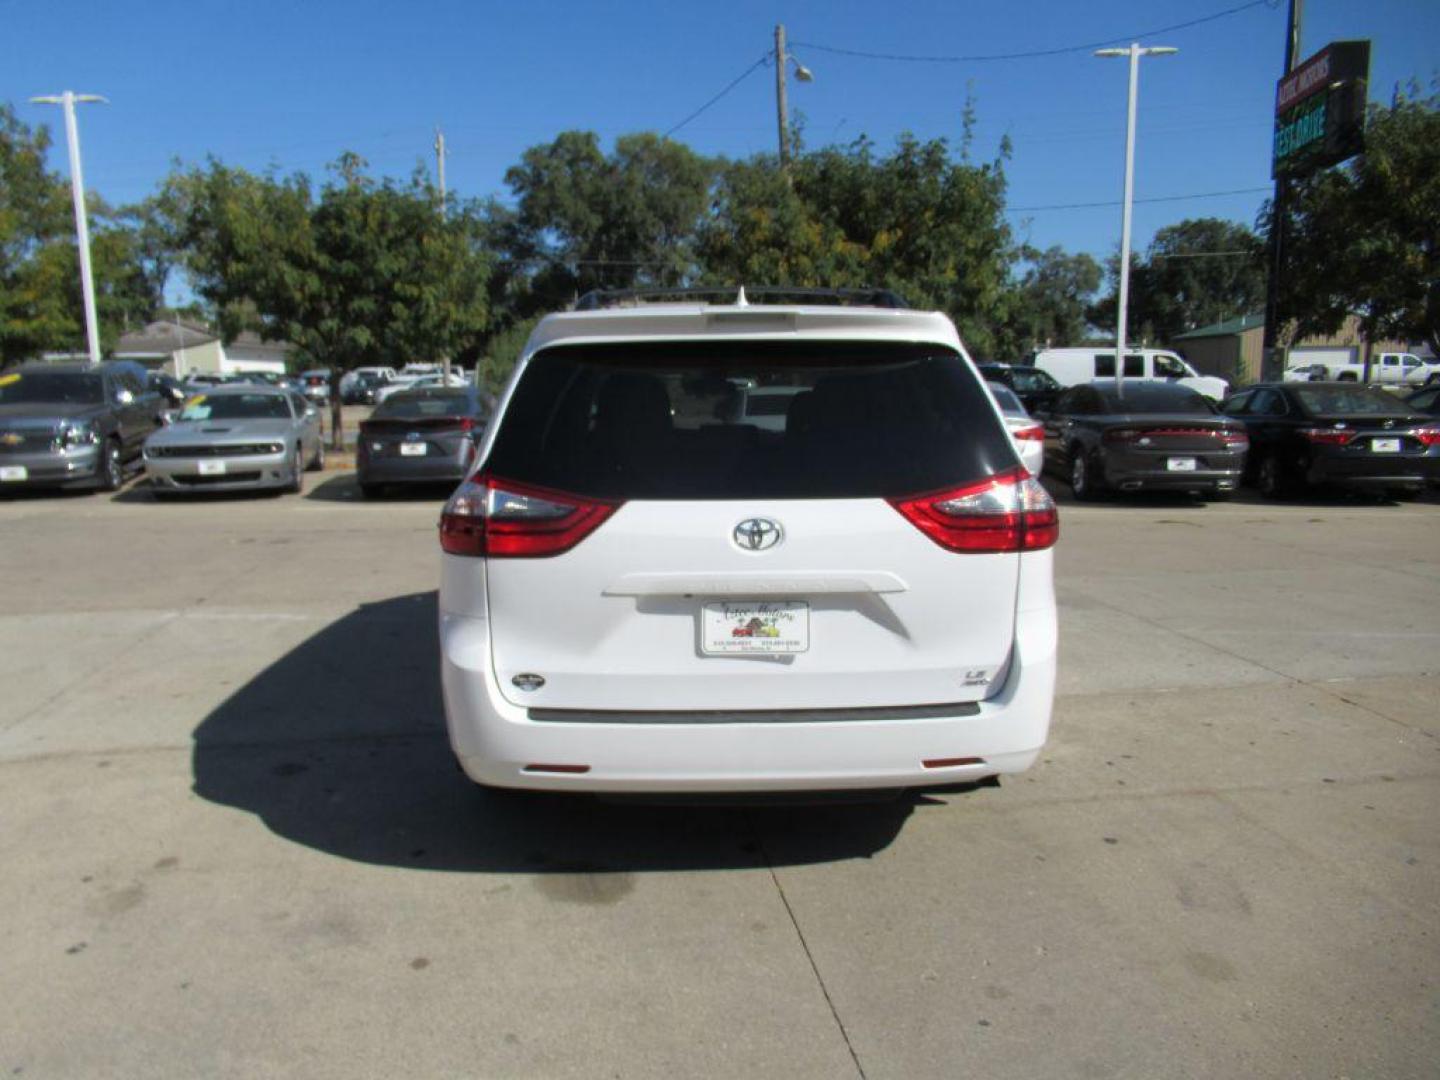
column 1319, row 122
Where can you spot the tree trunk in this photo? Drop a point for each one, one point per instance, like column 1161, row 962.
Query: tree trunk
column 337, row 432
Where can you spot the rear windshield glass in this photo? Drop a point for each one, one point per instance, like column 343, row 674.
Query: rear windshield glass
column 51, row 387
column 672, row 421
column 1154, row 398
column 410, row 405
column 1006, row 399
column 1351, row 401
column 236, row 407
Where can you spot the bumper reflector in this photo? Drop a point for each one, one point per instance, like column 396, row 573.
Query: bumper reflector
column 572, row 769
column 951, row 762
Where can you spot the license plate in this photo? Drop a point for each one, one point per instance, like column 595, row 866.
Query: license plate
column 1385, row 446
column 412, row 449
column 212, row 468
column 14, row 472
column 760, row 626
column 1180, row 464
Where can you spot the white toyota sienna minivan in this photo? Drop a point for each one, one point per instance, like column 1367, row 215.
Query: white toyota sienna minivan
column 647, row 587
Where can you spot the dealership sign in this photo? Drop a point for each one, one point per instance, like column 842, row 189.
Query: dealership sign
column 1320, row 110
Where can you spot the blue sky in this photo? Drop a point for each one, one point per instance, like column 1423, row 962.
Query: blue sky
column 261, row 83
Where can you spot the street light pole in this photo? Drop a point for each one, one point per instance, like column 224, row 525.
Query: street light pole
column 67, row 101
column 1134, row 52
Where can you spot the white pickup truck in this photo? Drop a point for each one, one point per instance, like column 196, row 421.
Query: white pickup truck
column 1392, row 369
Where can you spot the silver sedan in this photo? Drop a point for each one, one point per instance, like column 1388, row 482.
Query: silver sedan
column 236, row 438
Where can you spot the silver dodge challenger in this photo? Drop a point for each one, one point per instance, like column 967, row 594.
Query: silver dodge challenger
column 236, row 438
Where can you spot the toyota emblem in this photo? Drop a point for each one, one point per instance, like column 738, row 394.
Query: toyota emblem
column 757, row 534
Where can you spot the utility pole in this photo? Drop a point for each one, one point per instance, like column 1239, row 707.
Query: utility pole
column 1279, row 216
column 781, row 106
column 1134, row 52
column 67, row 101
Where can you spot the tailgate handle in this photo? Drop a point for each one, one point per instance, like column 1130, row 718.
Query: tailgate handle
column 773, row 583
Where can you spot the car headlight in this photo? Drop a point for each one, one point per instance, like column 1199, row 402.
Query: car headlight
column 78, row 434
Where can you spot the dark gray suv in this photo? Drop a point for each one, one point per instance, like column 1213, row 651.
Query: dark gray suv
column 72, row 425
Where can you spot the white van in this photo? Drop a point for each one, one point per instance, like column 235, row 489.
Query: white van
column 1070, row 367
column 644, row 589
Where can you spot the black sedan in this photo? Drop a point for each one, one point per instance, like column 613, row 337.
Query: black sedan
column 420, row 437
column 1336, row 433
column 1145, row 437
column 1036, row 389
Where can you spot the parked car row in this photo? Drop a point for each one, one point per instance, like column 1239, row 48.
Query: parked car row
column 81, row 426
column 1286, row 437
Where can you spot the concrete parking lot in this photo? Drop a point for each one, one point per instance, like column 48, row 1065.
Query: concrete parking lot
column 234, row 844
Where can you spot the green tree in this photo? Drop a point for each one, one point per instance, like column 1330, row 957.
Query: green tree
column 1364, row 239
column 1048, row 305
column 362, row 272
column 41, row 307
column 585, row 220
column 1195, row 273
column 915, row 221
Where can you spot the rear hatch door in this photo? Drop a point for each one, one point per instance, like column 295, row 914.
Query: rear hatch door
column 751, row 566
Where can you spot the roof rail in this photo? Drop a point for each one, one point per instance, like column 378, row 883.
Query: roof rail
column 743, row 294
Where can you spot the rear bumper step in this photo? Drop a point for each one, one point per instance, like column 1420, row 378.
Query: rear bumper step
column 754, row 716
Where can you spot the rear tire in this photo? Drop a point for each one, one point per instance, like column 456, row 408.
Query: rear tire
column 1348, row 376
column 1272, row 478
column 1084, row 481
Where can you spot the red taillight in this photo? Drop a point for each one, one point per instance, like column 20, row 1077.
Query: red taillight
column 1234, row 437
column 1428, row 436
column 1009, row 512
column 1120, row 435
column 1327, row 436
column 502, row 519
column 1033, row 433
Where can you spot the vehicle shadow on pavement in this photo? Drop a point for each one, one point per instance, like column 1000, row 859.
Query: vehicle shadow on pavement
column 340, row 745
column 345, row 488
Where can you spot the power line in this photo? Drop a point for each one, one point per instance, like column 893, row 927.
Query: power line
column 1036, row 53
column 765, row 59
column 1116, row 202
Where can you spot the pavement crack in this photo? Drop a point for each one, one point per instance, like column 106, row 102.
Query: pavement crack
column 809, row 956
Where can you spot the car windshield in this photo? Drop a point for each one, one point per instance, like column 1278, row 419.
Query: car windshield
column 667, row 421
column 1153, row 398
column 51, row 387
column 236, row 407
column 1006, row 399
column 1350, row 401
column 413, row 405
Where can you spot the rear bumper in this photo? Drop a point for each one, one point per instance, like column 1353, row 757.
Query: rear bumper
column 1373, row 470
column 495, row 741
column 1150, row 471
column 411, row 470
